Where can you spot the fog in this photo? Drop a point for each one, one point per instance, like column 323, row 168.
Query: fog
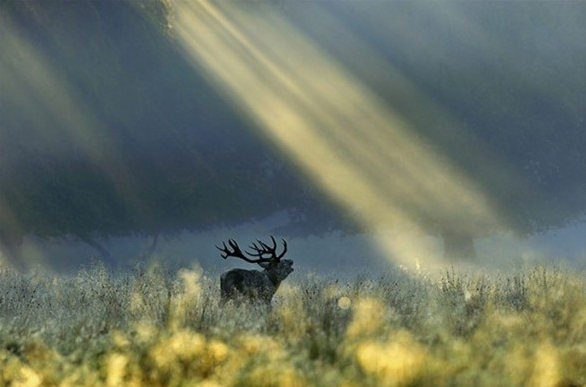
column 331, row 255
column 372, row 136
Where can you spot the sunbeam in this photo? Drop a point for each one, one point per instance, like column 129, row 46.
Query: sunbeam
column 59, row 121
column 361, row 152
column 36, row 87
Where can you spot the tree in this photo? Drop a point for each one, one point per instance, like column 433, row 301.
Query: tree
column 108, row 131
column 496, row 88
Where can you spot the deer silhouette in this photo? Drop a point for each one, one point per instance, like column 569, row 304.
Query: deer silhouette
column 253, row 285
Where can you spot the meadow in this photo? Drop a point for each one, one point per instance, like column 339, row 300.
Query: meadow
column 151, row 327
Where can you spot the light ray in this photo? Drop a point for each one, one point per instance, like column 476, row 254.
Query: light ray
column 59, row 119
column 359, row 151
column 44, row 96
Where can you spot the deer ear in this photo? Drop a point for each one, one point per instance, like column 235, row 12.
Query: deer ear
column 264, row 265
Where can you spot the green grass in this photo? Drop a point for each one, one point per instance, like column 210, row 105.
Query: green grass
column 152, row 328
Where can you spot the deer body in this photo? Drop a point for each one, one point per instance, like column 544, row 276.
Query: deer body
column 253, row 285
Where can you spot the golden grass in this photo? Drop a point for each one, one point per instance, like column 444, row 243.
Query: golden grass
column 151, row 328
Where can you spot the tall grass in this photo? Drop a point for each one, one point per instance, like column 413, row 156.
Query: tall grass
column 153, row 328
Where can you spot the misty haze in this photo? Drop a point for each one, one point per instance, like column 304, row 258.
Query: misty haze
column 292, row 193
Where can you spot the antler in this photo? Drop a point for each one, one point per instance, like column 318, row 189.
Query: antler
column 260, row 250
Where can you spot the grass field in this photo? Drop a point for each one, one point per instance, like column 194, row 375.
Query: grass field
column 152, row 328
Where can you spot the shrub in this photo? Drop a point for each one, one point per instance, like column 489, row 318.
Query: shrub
column 155, row 328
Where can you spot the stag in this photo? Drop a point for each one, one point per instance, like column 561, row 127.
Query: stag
column 253, row 285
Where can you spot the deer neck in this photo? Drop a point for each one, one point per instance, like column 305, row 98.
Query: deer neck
column 273, row 277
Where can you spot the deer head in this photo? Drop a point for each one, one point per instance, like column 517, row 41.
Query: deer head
column 254, row 285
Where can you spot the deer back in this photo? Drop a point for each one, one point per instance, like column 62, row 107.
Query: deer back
column 251, row 285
